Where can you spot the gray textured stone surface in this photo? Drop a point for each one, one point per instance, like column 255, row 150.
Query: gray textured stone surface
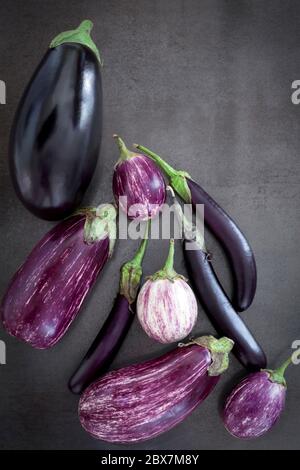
column 207, row 84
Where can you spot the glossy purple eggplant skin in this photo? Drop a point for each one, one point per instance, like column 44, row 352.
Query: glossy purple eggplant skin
column 46, row 293
column 219, row 308
column 142, row 401
column 254, row 406
column 56, row 134
column 234, row 242
column 139, row 179
column 105, row 346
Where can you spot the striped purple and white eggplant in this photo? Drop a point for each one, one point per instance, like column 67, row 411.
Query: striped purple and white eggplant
column 46, row 293
column 144, row 400
column 138, row 185
column 166, row 305
column 256, row 403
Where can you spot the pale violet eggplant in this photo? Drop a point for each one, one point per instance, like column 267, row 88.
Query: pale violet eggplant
column 144, row 400
column 166, row 305
column 256, row 403
column 46, row 293
column 138, row 185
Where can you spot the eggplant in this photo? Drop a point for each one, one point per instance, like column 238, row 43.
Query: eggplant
column 46, row 293
column 166, row 305
column 256, row 403
column 214, row 300
column 144, row 400
column 222, row 226
column 56, row 134
column 138, row 185
column 111, row 336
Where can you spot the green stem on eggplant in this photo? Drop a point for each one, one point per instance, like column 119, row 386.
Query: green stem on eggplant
column 219, row 349
column 125, row 154
column 80, row 35
column 131, row 272
column 168, row 271
column 177, row 178
column 99, row 223
column 277, row 375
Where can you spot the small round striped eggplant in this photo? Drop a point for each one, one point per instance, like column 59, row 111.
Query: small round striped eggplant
column 138, row 185
column 166, row 305
column 47, row 291
column 142, row 401
column 256, row 403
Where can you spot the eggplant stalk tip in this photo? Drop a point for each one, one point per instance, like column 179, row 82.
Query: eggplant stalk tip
column 125, row 153
column 80, row 35
column 168, row 271
column 277, row 375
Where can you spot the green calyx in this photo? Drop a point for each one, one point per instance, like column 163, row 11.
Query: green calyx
column 168, row 271
column 277, row 375
column 177, row 178
column 100, row 222
column 131, row 272
column 125, row 154
column 80, row 35
column 219, row 350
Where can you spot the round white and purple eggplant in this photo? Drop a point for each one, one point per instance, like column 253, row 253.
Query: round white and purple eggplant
column 46, row 293
column 256, row 403
column 144, row 400
column 138, row 185
column 166, row 305
column 56, row 134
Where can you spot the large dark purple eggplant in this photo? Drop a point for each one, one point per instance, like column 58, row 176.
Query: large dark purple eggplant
column 109, row 339
column 56, row 134
column 223, row 227
column 46, row 293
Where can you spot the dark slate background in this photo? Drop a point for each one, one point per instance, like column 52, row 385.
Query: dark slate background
column 207, row 84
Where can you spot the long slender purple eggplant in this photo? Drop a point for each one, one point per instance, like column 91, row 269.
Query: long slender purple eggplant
column 166, row 305
column 46, row 293
column 109, row 339
column 256, row 403
column 56, row 134
column 138, row 185
column 214, row 300
column 142, row 401
column 223, row 227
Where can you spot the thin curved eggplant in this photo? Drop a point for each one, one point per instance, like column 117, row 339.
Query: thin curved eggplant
column 111, row 336
column 219, row 309
column 105, row 346
column 56, row 134
column 213, row 298
column 222, row 226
